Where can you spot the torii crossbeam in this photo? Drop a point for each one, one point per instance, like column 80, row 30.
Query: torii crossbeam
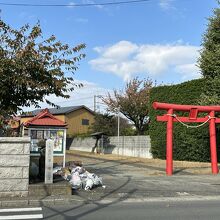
column 193, row 110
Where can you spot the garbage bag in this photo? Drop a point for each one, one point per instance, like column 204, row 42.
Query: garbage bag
column 96, row 180
column 65, row 173
column 69, row 177
column 89, row 184
column 57, row 170
column 72, row 164
column 76, row 181
column 78, row 169
column 80, row 178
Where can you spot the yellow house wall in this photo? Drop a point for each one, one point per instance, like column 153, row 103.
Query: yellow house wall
column 74, row 121
column 61, row 117
column 13, row 124
column 23, row 120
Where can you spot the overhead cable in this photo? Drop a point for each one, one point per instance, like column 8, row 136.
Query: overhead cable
column 74, row 5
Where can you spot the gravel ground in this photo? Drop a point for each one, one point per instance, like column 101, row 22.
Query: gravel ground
column 152, row 166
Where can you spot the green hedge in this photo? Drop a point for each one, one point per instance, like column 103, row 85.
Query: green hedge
column 189, row 143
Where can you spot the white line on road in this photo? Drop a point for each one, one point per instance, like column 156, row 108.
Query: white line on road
column 37, row 216
column 21, row 209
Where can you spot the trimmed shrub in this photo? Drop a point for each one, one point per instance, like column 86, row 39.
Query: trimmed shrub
column 190, row 144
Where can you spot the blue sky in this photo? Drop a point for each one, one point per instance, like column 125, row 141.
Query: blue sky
column 159, row 39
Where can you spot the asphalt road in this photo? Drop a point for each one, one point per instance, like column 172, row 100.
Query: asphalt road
column 179, row 210
column 135, row 180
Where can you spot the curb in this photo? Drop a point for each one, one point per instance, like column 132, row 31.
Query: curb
column 69, row 201
column 38, row 202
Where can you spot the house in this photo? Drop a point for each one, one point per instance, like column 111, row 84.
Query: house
column 77, row 118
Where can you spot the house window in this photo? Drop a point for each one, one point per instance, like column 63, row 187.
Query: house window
column 85, row 121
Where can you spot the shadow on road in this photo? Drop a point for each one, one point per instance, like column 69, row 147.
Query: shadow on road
column 95, row 202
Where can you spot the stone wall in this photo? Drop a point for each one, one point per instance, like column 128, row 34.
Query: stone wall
column 135, row 146
column 14, row 166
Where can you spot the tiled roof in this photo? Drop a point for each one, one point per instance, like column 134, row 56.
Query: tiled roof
column 58, row 111
column 45, row 118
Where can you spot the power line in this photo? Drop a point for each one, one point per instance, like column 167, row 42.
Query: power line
column 74, row 99
column 74, row 5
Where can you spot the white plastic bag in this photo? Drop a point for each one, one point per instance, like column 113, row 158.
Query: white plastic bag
column 76, row 181
column 89, row 184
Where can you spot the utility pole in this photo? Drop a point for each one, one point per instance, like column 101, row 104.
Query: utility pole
column 94, row 103
column 118, row 129
column 118, row 124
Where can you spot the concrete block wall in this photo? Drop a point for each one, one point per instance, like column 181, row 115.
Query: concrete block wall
column 82, row 144
column 135, row 146
column 14, row 166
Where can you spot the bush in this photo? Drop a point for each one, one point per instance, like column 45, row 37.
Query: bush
column 189, row 143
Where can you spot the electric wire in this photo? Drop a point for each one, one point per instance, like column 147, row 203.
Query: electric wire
column 74, row 5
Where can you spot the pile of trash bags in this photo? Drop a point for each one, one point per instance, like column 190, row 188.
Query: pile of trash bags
column 78, row 177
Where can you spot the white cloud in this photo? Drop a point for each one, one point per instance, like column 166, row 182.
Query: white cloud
column 80, row 96
column 92, row 2
column 121, row 50
column 188, row 71
column 72, row 4
column 166, row 4
column 126, row 59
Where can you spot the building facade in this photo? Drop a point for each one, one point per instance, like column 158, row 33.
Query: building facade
column 77, row 118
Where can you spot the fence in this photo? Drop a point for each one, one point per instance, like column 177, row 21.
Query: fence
column 135, row 146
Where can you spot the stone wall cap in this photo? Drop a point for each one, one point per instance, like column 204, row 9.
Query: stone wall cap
column 15, row 139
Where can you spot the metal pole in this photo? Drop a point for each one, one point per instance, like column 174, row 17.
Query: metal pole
column 169, row 150
column 102, row 151
column 64, row 148
column 118, row 130
column 212, row 133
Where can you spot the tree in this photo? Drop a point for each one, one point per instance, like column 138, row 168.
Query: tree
column 32, row 68
column 133, row 102
column 209, row 61
column 108, row 124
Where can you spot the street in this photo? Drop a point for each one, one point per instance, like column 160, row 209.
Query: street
column 181, row 210
column 143, row 180
column 133, row 190
column 109, row 210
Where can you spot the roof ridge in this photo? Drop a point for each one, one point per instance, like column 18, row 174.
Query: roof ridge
column 57, row 111
column 41, row 115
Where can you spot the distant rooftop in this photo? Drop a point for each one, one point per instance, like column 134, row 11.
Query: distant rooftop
column 57, row 111
column 45, row 118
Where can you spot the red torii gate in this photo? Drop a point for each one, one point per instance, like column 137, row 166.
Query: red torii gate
column 193, row 110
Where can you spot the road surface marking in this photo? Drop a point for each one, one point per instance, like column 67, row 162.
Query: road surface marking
column 37, row 216
column 21, row 209
column 19, row 213
column 183, row 193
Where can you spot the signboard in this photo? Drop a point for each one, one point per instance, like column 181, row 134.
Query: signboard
column 49, row 161
column 58, row 135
